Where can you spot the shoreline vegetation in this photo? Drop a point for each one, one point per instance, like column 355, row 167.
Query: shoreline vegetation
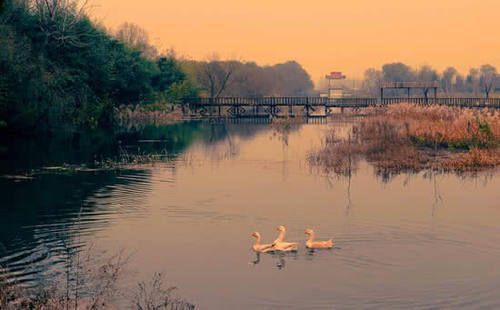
column 410, row 138
column 152, row 114
column 90, row 283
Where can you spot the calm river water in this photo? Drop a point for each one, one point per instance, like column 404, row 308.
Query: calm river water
column 409, row 241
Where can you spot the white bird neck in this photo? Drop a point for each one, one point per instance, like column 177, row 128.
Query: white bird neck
column 281, row 236
column 257, row 242
column 311, row 236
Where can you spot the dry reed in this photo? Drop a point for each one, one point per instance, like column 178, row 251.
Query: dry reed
column 89, row 285
column 157, row 114
column 283, row 126
column 407, row 137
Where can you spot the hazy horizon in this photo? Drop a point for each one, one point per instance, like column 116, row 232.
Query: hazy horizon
column 327, row 36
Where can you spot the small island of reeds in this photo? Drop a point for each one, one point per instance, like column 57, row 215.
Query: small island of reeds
column 411, row 138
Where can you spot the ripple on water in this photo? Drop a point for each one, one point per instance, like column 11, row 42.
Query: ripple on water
column 394, row 247
column 67, row 228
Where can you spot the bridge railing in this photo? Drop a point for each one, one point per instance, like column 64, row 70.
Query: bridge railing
column 339, row 102
column 448, row 101
column 230, row 101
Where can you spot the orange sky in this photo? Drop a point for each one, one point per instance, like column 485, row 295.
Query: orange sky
column 323, row 36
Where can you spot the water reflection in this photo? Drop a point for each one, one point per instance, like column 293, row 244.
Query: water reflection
column 43, row 211
column 279, row 258
column 40, row 218
column 410, row 241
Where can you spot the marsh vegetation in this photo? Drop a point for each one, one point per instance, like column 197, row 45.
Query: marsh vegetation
column 412, row 138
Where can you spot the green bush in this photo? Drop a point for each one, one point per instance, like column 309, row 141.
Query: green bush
column 65, row 71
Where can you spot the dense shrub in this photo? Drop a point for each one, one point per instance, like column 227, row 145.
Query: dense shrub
column 60, row 70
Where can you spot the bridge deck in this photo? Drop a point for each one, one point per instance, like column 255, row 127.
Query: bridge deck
column 275, row 106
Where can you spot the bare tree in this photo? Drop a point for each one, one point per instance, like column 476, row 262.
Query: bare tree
column 426, row 74
column 487, row 77
column 216, row 75
column 59, row 19
column 373, row 80
column 472, row 81
column 448, row 78
column 136, row 37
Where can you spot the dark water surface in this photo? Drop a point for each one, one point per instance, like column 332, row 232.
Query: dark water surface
column 410, row 241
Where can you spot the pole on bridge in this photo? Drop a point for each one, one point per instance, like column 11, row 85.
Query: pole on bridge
column 184, row 112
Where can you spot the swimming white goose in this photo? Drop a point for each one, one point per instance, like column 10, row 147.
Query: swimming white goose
column 261, row 248
column 311, row 244
column 280, row 245
column 281, row 236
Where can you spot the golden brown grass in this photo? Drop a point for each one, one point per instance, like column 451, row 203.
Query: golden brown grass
column 447, row 127
column 158, row 114
column 407, row 137
column 474, row 158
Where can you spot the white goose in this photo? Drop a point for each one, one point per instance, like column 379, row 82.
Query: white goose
column 311, row 244
column 261, row 248
column 280, row 245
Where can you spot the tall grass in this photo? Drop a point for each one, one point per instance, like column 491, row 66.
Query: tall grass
column 157, row 114
column 447, row 127
column 407, row 137
column 87, row 283
column 90, row 284
column 153, row 295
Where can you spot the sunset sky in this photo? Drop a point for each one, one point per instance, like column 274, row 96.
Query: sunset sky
column 323, row 36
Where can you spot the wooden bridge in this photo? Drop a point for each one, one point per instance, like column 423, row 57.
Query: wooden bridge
column 240, row 107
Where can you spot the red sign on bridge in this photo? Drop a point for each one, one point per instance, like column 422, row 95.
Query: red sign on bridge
column 335, row 76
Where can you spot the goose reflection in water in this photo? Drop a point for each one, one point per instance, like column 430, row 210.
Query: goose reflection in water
column 280, row 262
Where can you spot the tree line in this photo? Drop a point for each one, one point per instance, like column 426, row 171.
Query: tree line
column 62, row 71
column 477, row 81
column 217, row 78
